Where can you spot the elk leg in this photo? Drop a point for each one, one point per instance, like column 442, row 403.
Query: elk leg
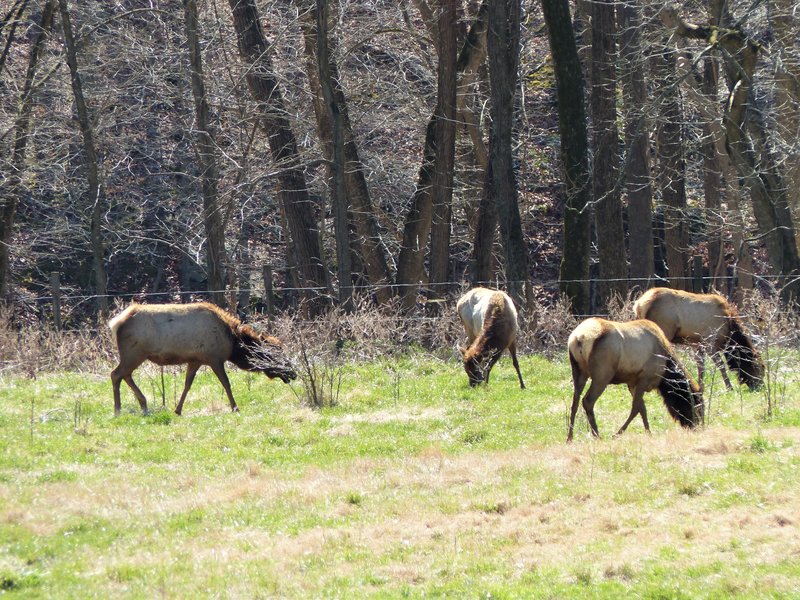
column 700, row 359
column 722, row 370
column 578, row 383
column 191, row 371
column 116, row 379
column 513, row 350
column 137, row 392
column 637, row 408
column 123, row 372
column 219, row 371
column 595, row 389
column 643, row 412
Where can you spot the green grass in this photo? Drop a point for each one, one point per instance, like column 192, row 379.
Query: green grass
column 412, row 486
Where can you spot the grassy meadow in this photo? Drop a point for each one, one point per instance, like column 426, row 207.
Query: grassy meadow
column 412, row 485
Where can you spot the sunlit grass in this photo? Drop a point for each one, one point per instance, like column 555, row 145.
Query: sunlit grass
column 413, row 485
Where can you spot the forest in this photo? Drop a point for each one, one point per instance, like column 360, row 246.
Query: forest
column 299, row 155
column 335, row 173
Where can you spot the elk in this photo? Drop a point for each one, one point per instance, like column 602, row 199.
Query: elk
column 635, row 353
column 194, row 335
column 704, row 320
column 490, row 321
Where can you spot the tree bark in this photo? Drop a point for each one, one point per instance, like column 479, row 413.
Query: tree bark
column 637, row 142
column 10, row 201
column 671, row 165
column 785, row 25
column 339, row 195
column 574, row 269
column 442, row 184
column 605, row 171
column 14, row 16
column 503, row 45
column 712, row 186
column 758, row 171
column 472, row 56
column 418, row 220
column 718, row 166
column 95, row 192
column 292, row 188
column 485, row 228
column 368, row 240
column 205, row 150
column 417, row 225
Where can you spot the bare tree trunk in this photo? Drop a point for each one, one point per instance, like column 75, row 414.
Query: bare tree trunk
column 719, row 171
column 472, row 56
column 418, row 220
column 608, row 205
column 94, row 193
column 637, row 142
column 368, row 240
column 785, row 24
column 503, row 45
column 712, row 186
column 340, row 202
column 418, row 225
column 442, row 184
column 574, row 269
column 293, row 190
column 205, row 148
column 671, row 166
column 758, row 172
column 11, row 199
column 13, row 16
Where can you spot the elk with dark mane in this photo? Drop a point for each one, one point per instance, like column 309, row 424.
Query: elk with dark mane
column 194, row 335
column 490, row 322
column 636, row 354
column 704, row 320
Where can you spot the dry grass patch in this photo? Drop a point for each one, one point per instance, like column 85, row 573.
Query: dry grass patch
column 392, row 416
column 414, row 520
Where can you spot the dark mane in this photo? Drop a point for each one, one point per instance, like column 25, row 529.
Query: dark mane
column 224, row 315
column 490, row 322
column 244, row 333
column 681, row 395
column 741, row 355
column 489, row 339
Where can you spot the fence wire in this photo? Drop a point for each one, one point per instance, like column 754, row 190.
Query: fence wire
column 367, row 289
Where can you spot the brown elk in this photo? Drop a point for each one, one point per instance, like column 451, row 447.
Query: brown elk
column 634, row 353
column 490, row 321
column 704, row 320
column 195, row 335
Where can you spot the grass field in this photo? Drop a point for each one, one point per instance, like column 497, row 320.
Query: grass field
column 412, row 485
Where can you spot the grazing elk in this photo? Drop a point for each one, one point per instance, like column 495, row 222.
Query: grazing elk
column 195, row 335
column 704, row 320
column 634, row 353
column 490, row 321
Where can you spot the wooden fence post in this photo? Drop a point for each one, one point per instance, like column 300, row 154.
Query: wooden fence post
column 55, row 293
column 268, row 290
column 697, row 274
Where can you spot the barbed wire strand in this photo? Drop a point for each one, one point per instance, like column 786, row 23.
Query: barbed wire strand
column 323, row 290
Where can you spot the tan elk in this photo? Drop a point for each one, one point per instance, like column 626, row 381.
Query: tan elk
column 490, row 321
column 704, row 320
column 194, row 335
column 637, row 354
